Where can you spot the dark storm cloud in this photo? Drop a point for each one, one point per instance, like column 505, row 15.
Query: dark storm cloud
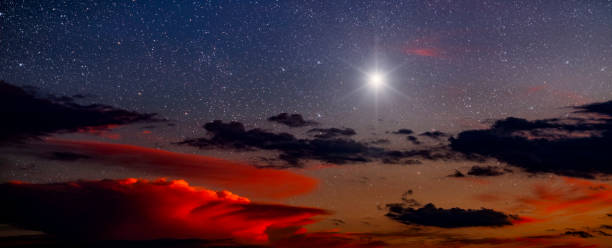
column 233, row 135
column 403, row 131
column 434, row 134
column 25, row 115
column 328, row 133
column 291, row 120
column 577, row 147
column 429, row 215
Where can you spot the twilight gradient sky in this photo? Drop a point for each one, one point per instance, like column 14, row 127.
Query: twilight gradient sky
column 449, row 66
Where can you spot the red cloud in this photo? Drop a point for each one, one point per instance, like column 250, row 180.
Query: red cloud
column 578, row 196
column 135, row 209
column 104, row 131
column 524, row 220
column 426, row 52
column 212, row 171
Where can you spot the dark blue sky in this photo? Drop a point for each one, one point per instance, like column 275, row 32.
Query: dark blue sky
column 455, row 62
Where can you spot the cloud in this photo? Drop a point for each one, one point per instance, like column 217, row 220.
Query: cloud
column 425, row 52
column 291, row 120
column 577, row 147
column 136, row 209
column 487, row 171
column 434, row 134
column 328, row 133
column 604, row 108
column 233, row 135
column 409, row 202
column 212, row 171
column 403, row 131
column 67, row 156
column 573, row 196
column 429, row 215
column 413, row 140
column 25, row 115
column 581, row 234
column 457, row 174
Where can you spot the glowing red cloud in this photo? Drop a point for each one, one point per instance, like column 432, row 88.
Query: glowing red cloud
column 104, row 131
column 426, row 52
column 578, row 196
column 524, row 220
column 216, row 172
column 133, row 209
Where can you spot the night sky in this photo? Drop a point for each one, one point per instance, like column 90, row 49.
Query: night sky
column 333, row 123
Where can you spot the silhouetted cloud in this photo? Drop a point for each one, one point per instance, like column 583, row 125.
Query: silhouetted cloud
column 581, row 234
column 487, row 171
column 578, row 147
column 413, row 140
column 457, row 174
column 429, row 153
column 604, row 108
column 434, row 134
column 67, row 156
column 482, row 171
column 407, row 201
column 429, row 215
column 291, row 120
column 403, row 131
column 233, row 135
column 25, row 115
column 132, row 209
column 328, row 133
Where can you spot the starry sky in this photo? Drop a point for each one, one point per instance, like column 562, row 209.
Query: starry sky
column 449, row 69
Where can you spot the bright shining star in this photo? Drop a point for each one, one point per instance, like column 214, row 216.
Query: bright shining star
column 376, row 80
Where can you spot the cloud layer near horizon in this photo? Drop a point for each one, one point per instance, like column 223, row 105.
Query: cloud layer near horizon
column 268, row 183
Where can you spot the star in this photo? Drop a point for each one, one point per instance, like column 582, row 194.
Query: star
column 376, row 80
